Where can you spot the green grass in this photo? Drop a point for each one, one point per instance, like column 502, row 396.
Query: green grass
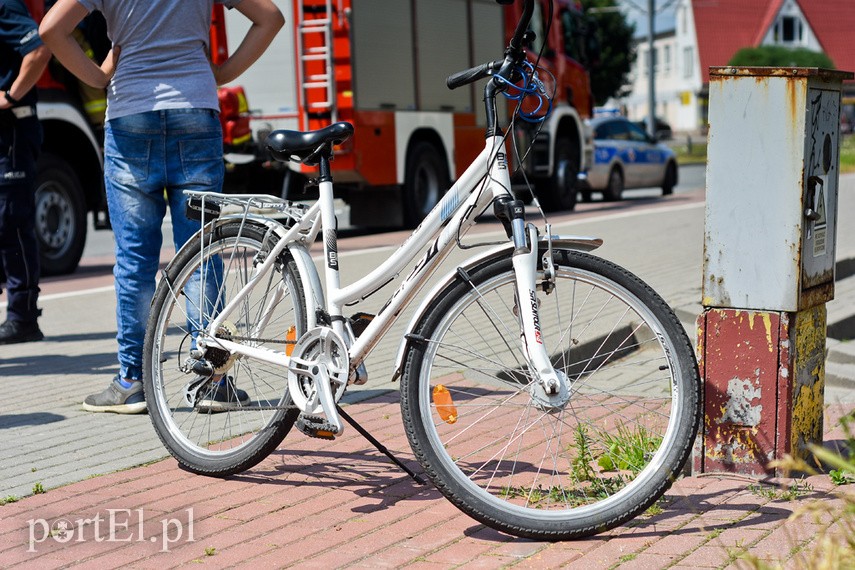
column 698, row 153
column 847, row 154
column 628, row 449
column 789, row 492
column 8, row 499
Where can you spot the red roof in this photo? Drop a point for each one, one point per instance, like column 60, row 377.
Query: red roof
column 833, row 22
column 725, row 26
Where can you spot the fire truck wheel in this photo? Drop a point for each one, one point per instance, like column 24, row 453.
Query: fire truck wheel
column 558, row 192
column 60, row 216
column 425, row 183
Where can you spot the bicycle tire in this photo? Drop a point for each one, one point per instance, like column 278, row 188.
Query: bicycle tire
column 222, row 444
column 598, row 461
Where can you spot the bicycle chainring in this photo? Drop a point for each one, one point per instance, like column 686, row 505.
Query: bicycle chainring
column 319, row 347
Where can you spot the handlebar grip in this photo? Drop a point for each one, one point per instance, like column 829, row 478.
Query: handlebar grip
column 467, row 76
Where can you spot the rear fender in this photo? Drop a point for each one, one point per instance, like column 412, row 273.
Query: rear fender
column 578, row 243
column 308, row 273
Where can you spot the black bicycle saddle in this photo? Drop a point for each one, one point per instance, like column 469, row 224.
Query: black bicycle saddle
column 307, row 146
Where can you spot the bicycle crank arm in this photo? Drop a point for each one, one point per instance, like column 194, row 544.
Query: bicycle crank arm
column 525, row 271
column 318, row 374
column 325, row 395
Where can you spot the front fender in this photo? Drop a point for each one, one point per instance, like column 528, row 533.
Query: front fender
column 578, row 243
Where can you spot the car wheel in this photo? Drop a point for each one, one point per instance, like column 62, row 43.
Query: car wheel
column 670, row 179
column 614, row 189
column 425, row 183
column 60, row 216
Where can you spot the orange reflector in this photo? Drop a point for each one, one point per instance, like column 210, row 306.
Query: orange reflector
column 291, row 337
column 444, row 405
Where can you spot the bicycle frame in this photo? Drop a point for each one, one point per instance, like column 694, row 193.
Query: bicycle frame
column 486, row 178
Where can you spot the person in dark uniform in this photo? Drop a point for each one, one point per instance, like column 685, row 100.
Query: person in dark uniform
column 23, row 58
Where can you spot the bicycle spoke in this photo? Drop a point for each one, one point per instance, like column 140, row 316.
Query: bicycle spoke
column 245, row 409
column 499, row 444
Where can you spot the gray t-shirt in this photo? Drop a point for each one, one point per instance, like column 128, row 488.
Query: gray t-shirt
column 163, row 62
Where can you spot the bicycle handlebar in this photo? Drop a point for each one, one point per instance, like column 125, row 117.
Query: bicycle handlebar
column 513, row 52
column 522, row 26
column 467, row 76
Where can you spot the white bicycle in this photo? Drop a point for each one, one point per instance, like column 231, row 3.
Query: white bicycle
column 546, row 392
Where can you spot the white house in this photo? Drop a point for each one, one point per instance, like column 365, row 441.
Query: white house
column 708, row 33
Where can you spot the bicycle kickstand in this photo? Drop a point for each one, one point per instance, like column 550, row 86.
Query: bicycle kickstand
column 380, row 447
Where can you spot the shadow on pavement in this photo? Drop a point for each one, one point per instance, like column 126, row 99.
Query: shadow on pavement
column 91, row 363
column 34, row 419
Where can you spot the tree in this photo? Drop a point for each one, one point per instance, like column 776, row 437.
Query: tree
column 610, row 75
column 779, row 56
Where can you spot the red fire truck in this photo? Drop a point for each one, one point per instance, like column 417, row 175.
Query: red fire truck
column 70, row 183
column 382, row 65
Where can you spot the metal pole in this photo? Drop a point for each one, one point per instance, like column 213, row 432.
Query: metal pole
column 651, row 73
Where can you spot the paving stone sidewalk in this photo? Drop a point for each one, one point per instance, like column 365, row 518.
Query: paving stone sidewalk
column 340, row 504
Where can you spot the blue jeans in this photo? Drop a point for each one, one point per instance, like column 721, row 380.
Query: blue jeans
column 149, row 160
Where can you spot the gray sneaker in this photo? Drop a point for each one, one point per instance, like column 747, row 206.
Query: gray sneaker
column 117, row 399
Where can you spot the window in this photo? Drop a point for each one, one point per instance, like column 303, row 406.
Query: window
column 788, row 30
column 571, row 29
column 666, row 60
column 636, row 133
column 688, row 62
column 579, row 37
column 611, row 130
column 539, row 29
column 620, row 131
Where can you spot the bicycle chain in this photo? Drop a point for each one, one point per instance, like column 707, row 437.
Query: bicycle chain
column 264, row 340
column 262, row 408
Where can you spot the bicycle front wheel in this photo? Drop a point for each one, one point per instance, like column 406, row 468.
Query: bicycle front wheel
column 221, row 428
column 489, row 442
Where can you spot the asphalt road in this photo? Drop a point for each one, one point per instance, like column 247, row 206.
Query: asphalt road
column 691, row 178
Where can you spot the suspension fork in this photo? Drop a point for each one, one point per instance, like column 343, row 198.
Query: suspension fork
column 524, row 259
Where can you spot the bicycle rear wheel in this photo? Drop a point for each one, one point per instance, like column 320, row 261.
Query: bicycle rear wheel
column 197, row 285
column 475, row 423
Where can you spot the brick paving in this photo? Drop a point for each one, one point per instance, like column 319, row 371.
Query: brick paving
column 340, row 504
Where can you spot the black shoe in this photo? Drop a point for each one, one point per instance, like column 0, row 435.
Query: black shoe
column 221, row 396
column 12, row 332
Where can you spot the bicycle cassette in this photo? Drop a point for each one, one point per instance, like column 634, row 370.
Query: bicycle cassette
column 221, row 359
column 319, row 356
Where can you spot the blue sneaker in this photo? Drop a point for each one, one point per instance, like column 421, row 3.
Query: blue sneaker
column 117, row 399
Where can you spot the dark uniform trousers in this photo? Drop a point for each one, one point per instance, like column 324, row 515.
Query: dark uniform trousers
column 20, row 141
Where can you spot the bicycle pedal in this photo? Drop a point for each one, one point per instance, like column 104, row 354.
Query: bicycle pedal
column 314, row 426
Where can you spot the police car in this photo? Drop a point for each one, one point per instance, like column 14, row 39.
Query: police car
column 626, row 157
